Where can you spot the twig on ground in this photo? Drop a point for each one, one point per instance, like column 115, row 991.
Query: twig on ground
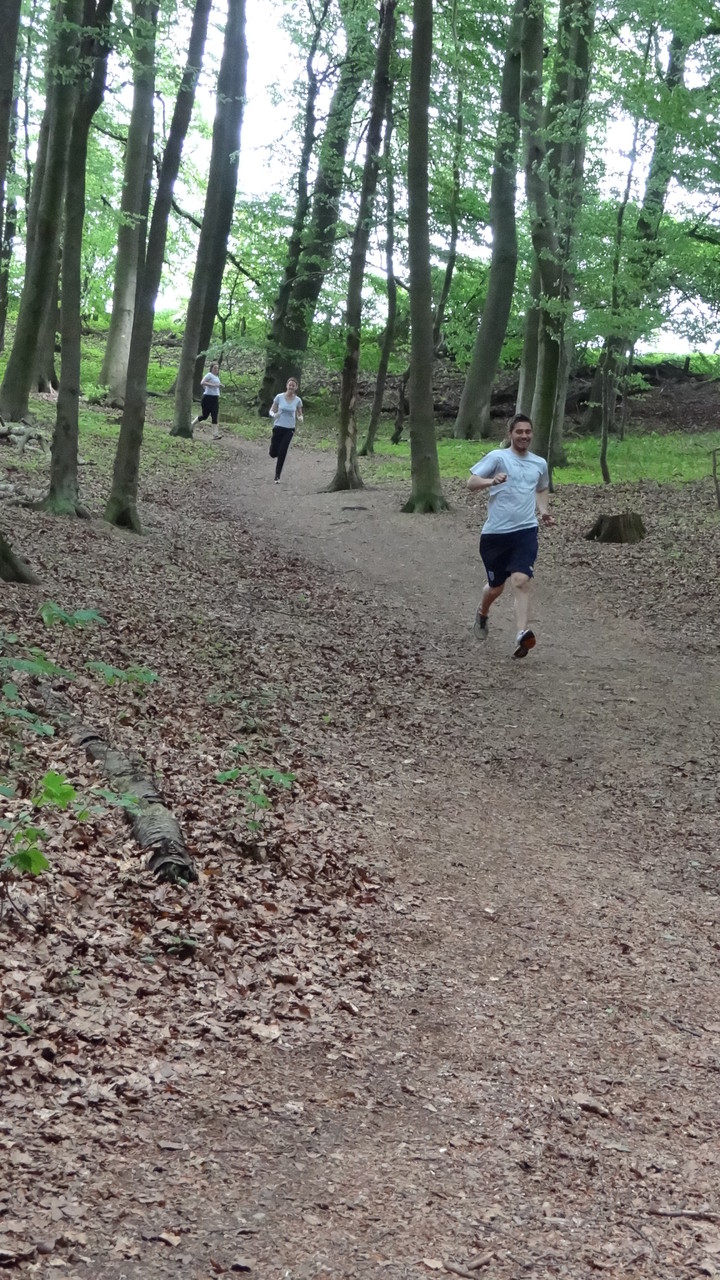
column 698, row 1215
column 679, row 1026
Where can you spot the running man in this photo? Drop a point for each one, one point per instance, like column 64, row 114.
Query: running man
column 519, row 482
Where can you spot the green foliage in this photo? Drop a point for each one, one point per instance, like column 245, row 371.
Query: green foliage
column 258, row 781
column 21, row 852
column 52, row 615
column 118, row 675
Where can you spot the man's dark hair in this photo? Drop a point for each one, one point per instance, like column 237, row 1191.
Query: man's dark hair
column 518, row 417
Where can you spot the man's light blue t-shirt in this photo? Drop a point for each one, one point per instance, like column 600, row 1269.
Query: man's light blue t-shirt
column 511, row 505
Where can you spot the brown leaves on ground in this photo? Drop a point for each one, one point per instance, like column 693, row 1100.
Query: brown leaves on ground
column 499, row 1062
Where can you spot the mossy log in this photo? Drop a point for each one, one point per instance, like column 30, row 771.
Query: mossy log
column 627, row 527
column 154, row 827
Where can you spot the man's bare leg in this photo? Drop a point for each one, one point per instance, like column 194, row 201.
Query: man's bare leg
column 488, row 597
column 521, row 601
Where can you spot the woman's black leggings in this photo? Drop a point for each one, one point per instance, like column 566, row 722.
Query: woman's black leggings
column 209, row 408
column 279, row 445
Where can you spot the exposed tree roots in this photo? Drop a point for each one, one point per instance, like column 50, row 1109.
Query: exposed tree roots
column 123, row 514
column 342, row 481
column 64, row 507
column 425, row 503
column 12, row 568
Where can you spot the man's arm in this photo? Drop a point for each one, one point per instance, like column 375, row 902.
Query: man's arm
column 486, row 473
column 485, row 482
column 542, row 498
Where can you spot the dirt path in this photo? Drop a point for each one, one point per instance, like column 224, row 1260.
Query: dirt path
column 527, row 1084
column 543, row 1076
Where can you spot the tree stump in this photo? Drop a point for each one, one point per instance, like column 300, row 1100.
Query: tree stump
column 627, row 527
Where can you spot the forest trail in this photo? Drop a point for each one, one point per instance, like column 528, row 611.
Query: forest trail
column 539, row 1075
column 523, row 1082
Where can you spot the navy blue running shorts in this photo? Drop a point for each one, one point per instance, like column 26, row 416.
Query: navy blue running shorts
column 506, row 553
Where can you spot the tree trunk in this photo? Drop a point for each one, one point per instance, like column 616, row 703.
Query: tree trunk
column 553, row 183
column 439, row 317
column 45, row 377
column 531, row 341
column 389, row 334
column 62, row 498
column 9, row 227
column 426, row 492
column 8, row 123
column 473, row 419
column 288, row 338
column 608, row 390
column 44, row 230
column 347, row 474
column 12, row 568
column 302, row 208
column 643, row 253
column 219, row 206
column 134, row 201
column 396, row 436
column 121, row 507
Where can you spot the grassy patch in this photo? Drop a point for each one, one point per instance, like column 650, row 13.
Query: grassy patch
column 667, row 459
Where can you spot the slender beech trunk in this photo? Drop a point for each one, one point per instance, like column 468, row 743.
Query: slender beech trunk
column 44, row 374
column 9, row 66
column 455, row 195
column 553, row 186
column 608, row 409
column 43, row 247
column 8, row 117
column 567, row 128
column 219, row 207
column 643, row 251
column 473, row 417
column 62, row 498
column 389, row 333
column 121, row 507
column 531, row 339
column 426, row 492
column 302, row 209
column 347, row 474
column 134, row 201
column 290, row 330
column 9, row 227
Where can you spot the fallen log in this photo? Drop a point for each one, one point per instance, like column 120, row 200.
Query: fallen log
column 627, row 527
column 155, row 828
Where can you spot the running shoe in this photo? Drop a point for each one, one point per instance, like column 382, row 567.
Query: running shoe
column 480, row 626
column 525, row 642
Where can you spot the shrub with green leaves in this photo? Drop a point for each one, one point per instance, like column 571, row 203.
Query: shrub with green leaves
column 22, row 850
column 258, row 780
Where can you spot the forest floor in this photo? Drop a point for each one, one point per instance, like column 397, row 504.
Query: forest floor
column 459, row 1012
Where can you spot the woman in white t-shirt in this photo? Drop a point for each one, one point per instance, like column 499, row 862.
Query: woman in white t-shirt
column 286, row 411
column 210, row 402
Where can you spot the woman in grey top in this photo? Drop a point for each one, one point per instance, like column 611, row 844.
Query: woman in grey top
column 286, row 411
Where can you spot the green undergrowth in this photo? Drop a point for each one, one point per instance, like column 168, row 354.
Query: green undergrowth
column 670, row 458
column 99, row 430
column 667, row 459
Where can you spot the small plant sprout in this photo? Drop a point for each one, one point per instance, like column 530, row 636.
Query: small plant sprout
column 257, row 780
